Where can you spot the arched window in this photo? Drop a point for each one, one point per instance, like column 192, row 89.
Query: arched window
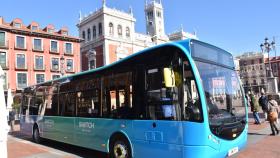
column 111, row 28
column 88, row 34
column 99, row 29
column 94, row 31
column 119, row 30
column 127, row 32
column 84, row 35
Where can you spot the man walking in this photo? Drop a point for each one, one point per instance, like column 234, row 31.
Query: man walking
column 255, row 108
column 263, row 101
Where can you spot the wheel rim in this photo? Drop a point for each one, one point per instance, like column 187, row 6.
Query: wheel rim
column 120, row 150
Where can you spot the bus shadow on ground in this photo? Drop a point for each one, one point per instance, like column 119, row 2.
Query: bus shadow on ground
column 254, row 133
column 67, row 148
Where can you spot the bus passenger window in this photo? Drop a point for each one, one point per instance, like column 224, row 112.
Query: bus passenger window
column 161, row 100
column 120, row 96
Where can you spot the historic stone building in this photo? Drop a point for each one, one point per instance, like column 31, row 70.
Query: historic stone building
column 109, row 34
column 252, row 71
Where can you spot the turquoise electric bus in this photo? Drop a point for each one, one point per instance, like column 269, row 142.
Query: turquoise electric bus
column 180, row 99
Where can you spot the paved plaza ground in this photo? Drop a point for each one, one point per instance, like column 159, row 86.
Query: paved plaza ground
column 260, row 145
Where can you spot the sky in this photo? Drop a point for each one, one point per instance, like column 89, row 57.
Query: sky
column 237, row 26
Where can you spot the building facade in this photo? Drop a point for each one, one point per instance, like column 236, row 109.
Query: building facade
column 252, row 71
column 31, row 54
column 109, row 34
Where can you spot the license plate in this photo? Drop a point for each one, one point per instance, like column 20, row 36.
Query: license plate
column 232, row 151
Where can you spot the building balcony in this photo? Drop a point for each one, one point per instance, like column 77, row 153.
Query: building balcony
column 5, row 66
column 21, row 86
column 4, row 44
column 39, row 68
column 20, row 67
column 38, row 50
column 54, row 51
column 55, row 70
column 20, row 47
column 68, row 53
column 69, row 71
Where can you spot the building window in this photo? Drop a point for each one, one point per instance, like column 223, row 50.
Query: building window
column 119, row 30
column 84, row 35
column 20, row 42
column 37, row 44
column 159, row 14
column 111, row 28
column 94, row 32
column 39, row 62
column 150, row 15
column 69, row 64
column 55, row 64
column 92, row 64
column 50, row 30
column 68, row 48
column 65, row 33
column 99, row 29
column 2, row 39
column 127, row 32
column 54, row 46
column 255, row 82
column 40, row 78
column 3, row 59
column 17, row 25
column 55, row 76
column 21, row 80
column 20, row 61
column 34, row 28
column 88, row 34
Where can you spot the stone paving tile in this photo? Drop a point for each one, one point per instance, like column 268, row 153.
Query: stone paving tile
column 265, row 148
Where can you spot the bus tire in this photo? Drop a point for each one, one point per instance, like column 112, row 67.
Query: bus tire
column 119, row 147
column 36, row 135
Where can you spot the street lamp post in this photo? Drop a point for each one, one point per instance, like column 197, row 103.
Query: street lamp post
column 266, row 47
column 271, row 80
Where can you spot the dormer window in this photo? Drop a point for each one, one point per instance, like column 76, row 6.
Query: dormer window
column 65, row 33
column 34, row 28
column 50, row 30
column 17, row 25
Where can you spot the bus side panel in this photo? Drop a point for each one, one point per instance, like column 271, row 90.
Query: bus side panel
column 158, row 138
column 59, row 128
column 148, row 149
column 95, row 133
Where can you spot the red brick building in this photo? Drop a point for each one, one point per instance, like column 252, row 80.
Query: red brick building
column 30, row 54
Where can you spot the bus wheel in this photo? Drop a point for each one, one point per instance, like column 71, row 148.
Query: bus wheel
column 119, row 147
column 36, row 135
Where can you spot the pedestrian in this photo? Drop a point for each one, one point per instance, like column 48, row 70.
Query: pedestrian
column 263, row 103
column 247, row 96
column 255, row 108
column 273, row 111
column 12, row 120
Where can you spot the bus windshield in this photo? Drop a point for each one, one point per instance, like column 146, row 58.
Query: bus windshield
column 223, row 92
column 225, row 101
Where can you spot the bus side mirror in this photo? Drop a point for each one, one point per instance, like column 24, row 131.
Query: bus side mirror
column 169, row 77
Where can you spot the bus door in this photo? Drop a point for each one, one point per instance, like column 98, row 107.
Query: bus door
column 158, row 127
